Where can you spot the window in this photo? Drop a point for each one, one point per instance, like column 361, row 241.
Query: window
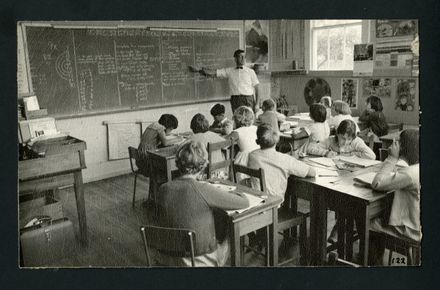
column 331, row 43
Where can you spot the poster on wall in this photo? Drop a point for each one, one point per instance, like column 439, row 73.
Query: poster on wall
column 386, row 28
column 350, row 92
column 380, row 87
column 363, row 59
column 256, row 33
column 405, row 95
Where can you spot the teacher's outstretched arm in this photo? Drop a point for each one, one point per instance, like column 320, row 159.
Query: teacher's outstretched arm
column 207, row 72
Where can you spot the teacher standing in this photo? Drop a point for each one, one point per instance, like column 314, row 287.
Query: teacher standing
column 243, row 82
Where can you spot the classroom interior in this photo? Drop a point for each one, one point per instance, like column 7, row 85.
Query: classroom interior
column 107, row 179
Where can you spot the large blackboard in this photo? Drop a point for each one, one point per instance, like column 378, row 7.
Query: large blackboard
column 80, row 71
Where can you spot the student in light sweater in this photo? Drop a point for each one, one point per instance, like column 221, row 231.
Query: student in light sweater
column 186, row 202
column 344, row 143
column 404, row 219
column 340, row 112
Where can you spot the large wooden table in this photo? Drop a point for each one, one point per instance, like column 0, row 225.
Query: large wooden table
column 61, row 165
column 350, row 201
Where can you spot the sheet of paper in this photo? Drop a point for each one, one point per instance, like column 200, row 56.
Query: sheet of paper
column 358, row 161
column 323, row 161
column 366, row 178
column 253, row 202
column 322, row 172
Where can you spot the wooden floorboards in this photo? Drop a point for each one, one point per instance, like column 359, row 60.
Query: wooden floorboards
column 113, row 225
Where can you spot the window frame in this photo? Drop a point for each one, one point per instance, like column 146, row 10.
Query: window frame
column 308, row 42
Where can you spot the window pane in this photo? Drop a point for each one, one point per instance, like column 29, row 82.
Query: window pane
column 327, row 22
column 336, row 37
column 352, row 37
column 321, row 52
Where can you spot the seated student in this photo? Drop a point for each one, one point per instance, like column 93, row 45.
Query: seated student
column 270, row 115
column 318, row 131
column 345, row 143
column 326, row 101
column 221, row 124
column 340, row 111
column 200, row 127
column 156, row 135
column 277, row 166
column 374, row 118
column 404, row 219
column 186, row 202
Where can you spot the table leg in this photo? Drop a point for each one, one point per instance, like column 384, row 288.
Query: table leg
column 349, row 239
column 318, row 228
column 340, row 223
column 273, row 231
column 80, row 207
column 364, row 232
column 235, row 245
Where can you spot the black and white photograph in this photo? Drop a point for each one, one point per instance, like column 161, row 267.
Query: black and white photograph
column 160, row 143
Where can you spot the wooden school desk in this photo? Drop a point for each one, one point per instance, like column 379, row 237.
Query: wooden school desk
column 251, row 220
column 351, row 201
column 162, row 163
column 61, row 164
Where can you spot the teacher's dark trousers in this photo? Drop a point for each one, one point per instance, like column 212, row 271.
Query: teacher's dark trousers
column 242, row 100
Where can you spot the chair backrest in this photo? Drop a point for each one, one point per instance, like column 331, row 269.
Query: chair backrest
column 228, row 147
column 257, row 173
column 133, row 155
column 383, row 154
column 170, row 241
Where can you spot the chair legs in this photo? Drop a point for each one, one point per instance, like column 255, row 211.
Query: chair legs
column 134, row 190
column 303, row 251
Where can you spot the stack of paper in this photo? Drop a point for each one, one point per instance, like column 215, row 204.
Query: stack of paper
column 366, row 178
column 322, row 172
column 328, row 162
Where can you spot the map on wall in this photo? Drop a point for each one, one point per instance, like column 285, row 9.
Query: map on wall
column 380, row 87
column 405, row 95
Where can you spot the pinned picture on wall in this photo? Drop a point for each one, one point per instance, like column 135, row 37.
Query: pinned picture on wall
column 380, row 87
column 405, row 95
column 256, row 32
column 350, row 92
column 363, row 59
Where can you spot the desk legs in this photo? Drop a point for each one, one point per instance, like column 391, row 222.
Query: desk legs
column 318, row 228
column 235, row 245
column 80, row 207
column 364, row 235
column 273, row 232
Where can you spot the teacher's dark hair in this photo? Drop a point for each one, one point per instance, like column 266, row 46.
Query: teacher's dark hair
column 237, row 52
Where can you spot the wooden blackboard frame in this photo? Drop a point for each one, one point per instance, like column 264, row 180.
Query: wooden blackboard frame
column 120, row 109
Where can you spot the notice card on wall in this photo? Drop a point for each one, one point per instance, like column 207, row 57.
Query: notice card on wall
column 363, row 59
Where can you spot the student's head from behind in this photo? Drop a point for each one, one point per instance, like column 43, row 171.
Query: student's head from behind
column 318, row 113
column 346, row 132
column 269, row 105
column 374, row 103
column 199, row 124
column 340, row 108
column 169, row 122
column 243, row 117
column 218, row 112
column 326, row 101
column 267, row 137
column 239, row 57
column 191, row 158
column 409, row 146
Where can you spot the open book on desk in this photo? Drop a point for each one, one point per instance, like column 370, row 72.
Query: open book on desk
column 253, row 202
column 327, row 162
column 361, row 162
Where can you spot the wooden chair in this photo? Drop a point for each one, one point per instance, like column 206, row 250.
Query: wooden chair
column 406, row 247
column 287, row 217
column 170, row 241
column 133, row 156
column 383, row 154
column 226, row 146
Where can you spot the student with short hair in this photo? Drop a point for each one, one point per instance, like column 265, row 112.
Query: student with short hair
column 186, row 202
column 340, row 111
column 318, row 131
column 156, row 135
column 270, row 115
column 326, row 101
column 404, row 219
column 344, row 143
column 200, row 127
column 221, row 124
column 277, row 166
